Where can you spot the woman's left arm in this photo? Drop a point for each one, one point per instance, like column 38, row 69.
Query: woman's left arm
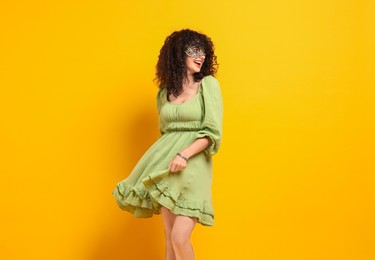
column 208, row 139
column 178, row 163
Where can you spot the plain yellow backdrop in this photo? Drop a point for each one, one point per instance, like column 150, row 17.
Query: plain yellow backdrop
column 294, row 178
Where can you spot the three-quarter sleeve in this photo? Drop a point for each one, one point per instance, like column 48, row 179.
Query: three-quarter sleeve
column 159, row 103
column 213, row 114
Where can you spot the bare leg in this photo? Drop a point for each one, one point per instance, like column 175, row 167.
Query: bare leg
column 181, row 233
column 168, row 221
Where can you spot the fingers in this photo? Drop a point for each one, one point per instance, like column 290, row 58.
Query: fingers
column 176, row 167
column 177, row 164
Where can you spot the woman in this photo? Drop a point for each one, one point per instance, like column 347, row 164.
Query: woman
column 173, row 178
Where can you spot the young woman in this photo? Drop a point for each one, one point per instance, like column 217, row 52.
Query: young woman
column 174, row 177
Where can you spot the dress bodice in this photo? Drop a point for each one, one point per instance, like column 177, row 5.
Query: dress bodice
column 184, row 116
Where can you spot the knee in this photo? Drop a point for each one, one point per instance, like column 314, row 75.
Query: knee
column 168, row 237
column 179, row 238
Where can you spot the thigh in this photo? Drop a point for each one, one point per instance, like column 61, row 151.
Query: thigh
column 183, row 227
column 168, row 219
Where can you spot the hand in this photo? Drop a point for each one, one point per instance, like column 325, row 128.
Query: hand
column 177, row 164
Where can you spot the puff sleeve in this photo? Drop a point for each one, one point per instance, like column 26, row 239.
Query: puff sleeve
column 213, row 114
column 159, row 103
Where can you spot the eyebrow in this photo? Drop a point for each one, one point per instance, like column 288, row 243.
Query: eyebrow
column 199, row 48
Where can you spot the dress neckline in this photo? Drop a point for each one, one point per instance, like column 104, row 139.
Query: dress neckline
column 187, row 101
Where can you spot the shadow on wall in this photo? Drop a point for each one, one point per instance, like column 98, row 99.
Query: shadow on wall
column 124, row 236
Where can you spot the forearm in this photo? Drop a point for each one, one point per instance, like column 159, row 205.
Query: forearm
column 197, row 146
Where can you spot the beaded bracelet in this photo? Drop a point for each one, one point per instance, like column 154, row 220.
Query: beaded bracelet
column 183, row 157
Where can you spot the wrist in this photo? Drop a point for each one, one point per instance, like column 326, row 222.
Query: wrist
column 186, row 152
column 183, row 156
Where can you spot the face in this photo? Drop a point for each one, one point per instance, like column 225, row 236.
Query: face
column 195, row 58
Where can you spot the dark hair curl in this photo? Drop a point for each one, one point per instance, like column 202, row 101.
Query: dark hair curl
column 171, row 67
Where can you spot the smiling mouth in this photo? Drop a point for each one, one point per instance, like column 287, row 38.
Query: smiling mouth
column 199, row 63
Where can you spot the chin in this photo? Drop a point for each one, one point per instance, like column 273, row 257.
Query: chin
column 195, row 71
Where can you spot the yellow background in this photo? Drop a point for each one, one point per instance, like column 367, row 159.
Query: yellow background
column 294, row 178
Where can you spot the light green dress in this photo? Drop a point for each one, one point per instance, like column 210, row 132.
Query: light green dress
column 187, row 192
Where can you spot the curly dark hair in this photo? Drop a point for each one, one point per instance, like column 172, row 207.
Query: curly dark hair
column 171, row 67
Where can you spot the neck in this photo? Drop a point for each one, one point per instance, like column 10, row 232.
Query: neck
column 189, row 80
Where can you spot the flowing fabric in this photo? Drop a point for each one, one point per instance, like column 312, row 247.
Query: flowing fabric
column 151, row 185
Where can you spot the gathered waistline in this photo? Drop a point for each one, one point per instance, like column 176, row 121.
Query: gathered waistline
column 181, row 130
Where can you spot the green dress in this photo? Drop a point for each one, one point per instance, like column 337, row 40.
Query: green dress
column 186, row 192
